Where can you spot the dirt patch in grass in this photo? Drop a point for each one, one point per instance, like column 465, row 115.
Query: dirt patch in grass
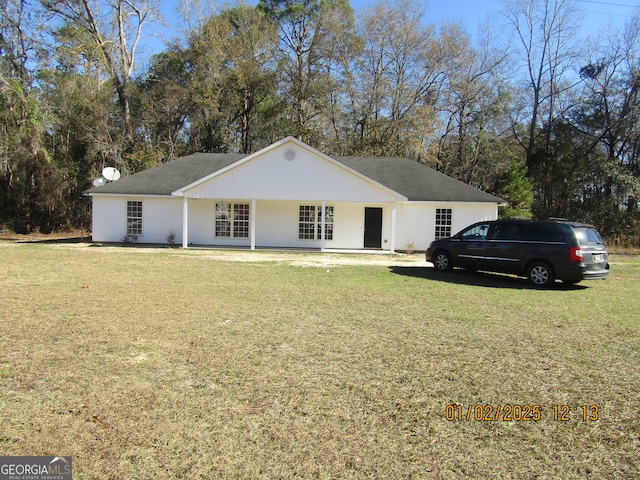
column 170, row 363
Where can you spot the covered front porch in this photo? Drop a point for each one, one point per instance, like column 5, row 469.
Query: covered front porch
column 306, row 225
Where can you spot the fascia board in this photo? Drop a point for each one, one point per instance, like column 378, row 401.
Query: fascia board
column 452, row 202
column 129, row 195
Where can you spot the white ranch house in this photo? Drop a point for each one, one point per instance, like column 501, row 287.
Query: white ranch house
column 288, row 195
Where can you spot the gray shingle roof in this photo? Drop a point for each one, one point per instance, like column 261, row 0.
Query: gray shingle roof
column 415, row 181
column 411, row 179
column 169, row 177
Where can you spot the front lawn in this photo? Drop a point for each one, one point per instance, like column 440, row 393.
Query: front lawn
column 165, row 363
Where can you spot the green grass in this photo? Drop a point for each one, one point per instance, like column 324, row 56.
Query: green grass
column 165, row 363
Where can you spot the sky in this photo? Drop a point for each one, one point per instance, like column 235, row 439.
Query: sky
column 469, row 12
column 596, row 14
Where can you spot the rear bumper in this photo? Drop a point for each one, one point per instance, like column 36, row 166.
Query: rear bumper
column 579, row 272
column 596, row 274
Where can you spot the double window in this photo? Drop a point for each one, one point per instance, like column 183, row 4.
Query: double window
column 443, row 223
column 232, row 220
column 310, row 222
column 134, row 218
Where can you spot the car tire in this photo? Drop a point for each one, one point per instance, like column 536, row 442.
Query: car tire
column 540, row 274
column 442, row 261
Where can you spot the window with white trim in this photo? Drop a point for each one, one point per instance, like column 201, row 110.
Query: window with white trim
column 443, row 223
column 310, row 222
column 232, row 220
column 134, row 218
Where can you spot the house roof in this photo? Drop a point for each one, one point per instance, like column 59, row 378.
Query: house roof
column 168, row 177
column 415, row 181
column 412, row 180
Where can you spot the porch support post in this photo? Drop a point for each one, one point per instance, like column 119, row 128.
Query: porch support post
column 393, row 227
column 185, row 222
column 322, row 228
column 253, row 224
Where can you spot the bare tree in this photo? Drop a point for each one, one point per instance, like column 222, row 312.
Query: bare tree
column 474, row 108
column 312, row 34
column 399, row 79
column 114, row 29
column 194, row 15
column 545, row 34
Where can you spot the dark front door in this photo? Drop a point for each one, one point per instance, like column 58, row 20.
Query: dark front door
column 372, row 227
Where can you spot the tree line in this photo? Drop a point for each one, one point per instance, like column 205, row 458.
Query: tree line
column 527, row 110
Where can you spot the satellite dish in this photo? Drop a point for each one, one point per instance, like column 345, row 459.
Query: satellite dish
column 110, row 174
column 100, row 181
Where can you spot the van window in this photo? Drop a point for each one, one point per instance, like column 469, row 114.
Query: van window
column 479, row 232
column 587, row 236
column 539, row 232
column 506, row 231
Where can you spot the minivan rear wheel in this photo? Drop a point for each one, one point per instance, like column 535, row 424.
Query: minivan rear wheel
column 540, row 274
column 442, row 261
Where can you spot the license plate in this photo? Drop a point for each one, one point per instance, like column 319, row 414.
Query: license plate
column 597, row 257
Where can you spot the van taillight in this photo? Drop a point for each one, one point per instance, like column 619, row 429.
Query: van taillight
column 575, row 254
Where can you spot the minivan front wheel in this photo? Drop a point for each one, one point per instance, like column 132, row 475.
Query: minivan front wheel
column 540, row 274
column 442, row 261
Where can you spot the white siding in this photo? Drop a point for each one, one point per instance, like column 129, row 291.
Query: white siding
column 277, row 225
column 159, row 217
column 108, row 220
column 307, row 177
column 466, row 214
column 201, row 222
column 277, row 222
column 348, row 230
column 415, row 222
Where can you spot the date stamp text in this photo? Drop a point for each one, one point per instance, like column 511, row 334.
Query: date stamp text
column 521, row 413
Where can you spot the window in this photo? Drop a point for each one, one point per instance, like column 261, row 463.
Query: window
column 328, row 223
column 507, row 231
column 539, row 232
column 134, row 218
column 587, row 236
column 443, row 223
column 310, row 222
column 232, row 220
column 478, row 232
column 241, row 220
column 307, row 222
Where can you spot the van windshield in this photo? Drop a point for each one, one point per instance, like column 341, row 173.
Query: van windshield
column 588, row 236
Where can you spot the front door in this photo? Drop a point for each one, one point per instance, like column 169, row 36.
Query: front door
column 372, row 227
